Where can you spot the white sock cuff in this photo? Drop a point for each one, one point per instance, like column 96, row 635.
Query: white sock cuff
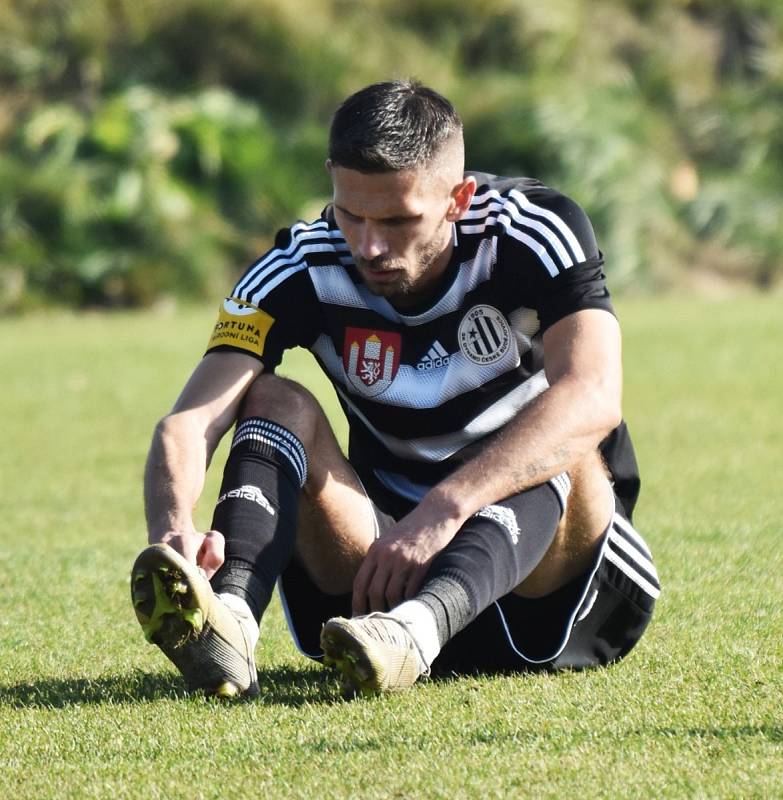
column 422, row 626
column 242, row 612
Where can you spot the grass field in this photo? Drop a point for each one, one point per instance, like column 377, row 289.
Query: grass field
column 87, row 709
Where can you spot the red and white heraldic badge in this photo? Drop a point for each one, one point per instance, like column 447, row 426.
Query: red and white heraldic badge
column 371, row 359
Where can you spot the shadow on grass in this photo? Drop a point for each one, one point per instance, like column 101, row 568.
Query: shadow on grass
column 286, row 686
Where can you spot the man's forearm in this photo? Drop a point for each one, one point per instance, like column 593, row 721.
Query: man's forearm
column 174, row 476
column 547, row 437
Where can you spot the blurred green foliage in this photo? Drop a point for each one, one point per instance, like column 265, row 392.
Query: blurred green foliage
column 150, row 149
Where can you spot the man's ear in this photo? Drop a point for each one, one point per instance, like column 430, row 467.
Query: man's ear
column 329, row 166
column 461, row 195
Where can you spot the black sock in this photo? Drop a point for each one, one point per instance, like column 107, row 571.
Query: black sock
column 494, row 551
column 257, row 509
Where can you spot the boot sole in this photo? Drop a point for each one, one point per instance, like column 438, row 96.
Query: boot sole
column 173, row 617
column 344, row 651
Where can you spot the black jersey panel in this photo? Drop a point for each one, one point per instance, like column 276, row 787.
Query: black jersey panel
column 574, row 290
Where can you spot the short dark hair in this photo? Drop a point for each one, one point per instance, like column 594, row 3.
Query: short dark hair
column 391, row 126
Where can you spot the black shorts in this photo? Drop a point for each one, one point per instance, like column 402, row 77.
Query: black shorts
column 594, row 620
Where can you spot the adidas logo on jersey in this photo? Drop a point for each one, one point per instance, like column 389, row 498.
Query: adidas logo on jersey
column 435, row 357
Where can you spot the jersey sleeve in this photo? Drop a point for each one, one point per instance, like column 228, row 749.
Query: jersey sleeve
column 271, row 308
column 550, row 246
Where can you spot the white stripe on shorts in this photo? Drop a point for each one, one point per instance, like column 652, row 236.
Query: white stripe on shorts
column 623, row 544
column 623, row 525
column 638, row 579
column 622, row 537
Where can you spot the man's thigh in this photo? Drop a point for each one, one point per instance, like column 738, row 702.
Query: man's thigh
column 338, row 520
column 307, row 602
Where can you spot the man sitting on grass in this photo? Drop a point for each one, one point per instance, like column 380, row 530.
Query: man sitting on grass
column 481, row 521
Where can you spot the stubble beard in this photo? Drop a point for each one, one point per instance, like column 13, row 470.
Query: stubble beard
column 408, row 286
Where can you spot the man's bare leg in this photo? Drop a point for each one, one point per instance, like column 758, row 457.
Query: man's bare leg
column 588, row 513
column 337, row 522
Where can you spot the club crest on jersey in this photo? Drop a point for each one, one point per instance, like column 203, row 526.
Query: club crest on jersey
column 484, row 335
column 371, row 359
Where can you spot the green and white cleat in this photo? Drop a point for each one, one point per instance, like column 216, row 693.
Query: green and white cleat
column 374, row 653
column 179, row 612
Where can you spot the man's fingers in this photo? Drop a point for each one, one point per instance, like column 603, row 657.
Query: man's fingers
column 188, row 545
column 212, row 553
column 360, row 584
column 376, row 592
column 396, row 588
column 415, row 580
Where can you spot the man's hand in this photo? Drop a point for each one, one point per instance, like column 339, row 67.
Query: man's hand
column 206, row 550
column 395, row 565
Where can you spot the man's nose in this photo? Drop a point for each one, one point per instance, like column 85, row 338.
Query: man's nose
column 372, row 243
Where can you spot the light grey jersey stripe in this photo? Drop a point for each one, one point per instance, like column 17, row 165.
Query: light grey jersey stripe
column 332, row 285
column 525, row 325
column 439, row 448
column 414, row 388
column 471, row 273
column 401, row 486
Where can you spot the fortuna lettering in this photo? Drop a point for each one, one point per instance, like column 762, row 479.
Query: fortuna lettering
column 247, row 492
column 231, row 325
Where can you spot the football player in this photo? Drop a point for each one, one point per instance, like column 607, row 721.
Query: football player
column 481, row 519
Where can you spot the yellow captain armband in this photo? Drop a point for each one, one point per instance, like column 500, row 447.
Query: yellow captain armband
column 242, row 326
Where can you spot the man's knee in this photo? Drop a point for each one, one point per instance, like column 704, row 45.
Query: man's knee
column 285, row 402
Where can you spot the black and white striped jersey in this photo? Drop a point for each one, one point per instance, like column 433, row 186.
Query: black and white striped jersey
column 422, row 387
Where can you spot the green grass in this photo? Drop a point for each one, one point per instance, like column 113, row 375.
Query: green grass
column 88, row 709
